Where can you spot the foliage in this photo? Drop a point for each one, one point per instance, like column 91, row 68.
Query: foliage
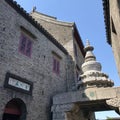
column 108, row 118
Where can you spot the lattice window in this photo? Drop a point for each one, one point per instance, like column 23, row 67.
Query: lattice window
column 25, row 46
column 56, row 65
column 56, row 62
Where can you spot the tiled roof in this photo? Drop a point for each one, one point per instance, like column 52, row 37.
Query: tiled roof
column 54, row 21
column 29, row 18
column 51, row 19
column 107, row 20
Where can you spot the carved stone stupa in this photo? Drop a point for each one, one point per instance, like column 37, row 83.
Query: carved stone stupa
column 92, row 75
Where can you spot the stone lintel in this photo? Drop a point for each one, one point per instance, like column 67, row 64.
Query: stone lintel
column 62, row 107
column 90, row 94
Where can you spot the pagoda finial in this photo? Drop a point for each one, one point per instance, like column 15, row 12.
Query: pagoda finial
column 34, row 9
column 87, row 42
column 88, row 49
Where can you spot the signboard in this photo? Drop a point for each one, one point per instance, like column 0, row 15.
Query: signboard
column 17, row 83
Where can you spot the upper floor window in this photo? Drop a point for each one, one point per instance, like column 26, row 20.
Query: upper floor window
column 25, row 45
column 75, row 50
column 56, row 63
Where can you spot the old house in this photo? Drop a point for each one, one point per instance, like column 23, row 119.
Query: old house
column 39, row 58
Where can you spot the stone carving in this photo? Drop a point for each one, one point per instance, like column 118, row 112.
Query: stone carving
column 64, row 111
column 114, row 102
column 62, row 107
column 92, row 75
column 91, row 83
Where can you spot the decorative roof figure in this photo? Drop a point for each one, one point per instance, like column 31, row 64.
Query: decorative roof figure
column 34, row 9
column 92, row 75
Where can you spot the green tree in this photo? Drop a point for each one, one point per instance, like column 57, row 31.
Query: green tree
column 108, row 118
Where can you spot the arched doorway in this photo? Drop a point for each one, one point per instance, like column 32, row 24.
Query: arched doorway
column 15, row 109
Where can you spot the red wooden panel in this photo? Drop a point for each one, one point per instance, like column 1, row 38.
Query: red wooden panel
column 12, row 111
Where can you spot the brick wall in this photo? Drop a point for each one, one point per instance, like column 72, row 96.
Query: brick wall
column 64, row 33
column 37, row 69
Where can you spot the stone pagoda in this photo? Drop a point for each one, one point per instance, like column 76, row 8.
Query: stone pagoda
column 92, row 75
column 95, row 93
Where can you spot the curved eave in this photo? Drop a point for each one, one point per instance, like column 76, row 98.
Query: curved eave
column 54, row 20
column 31, row 20
column 79, row 40
column 51, row 19
column 106, row 12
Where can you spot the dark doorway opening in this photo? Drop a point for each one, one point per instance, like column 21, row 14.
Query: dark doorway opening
column 11, row 117
column 15, row 109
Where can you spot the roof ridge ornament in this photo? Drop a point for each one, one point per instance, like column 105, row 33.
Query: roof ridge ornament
column 88, row 50
column 34, row 9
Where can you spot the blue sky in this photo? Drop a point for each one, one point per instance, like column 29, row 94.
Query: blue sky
column 88, row 16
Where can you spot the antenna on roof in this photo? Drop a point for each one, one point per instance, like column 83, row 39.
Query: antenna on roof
column 34, row 9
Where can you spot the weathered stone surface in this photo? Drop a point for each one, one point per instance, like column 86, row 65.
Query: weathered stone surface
column 63, row 32
column 92, row 75
column 114, row 102
column 62, row 107
column 39, row 67
column 89, row 94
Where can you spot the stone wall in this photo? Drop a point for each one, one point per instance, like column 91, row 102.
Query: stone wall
column 64, row 33
column 71, row 111
column 37, row 69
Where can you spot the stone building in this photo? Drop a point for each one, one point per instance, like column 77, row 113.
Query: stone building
column 112, row 24
column 66, row 34
column 45, row 73
column 38, row 59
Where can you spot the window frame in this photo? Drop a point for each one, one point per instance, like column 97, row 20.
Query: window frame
column 56, row 62
column 75, row 50
column 26, row 47
column 56, row 65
